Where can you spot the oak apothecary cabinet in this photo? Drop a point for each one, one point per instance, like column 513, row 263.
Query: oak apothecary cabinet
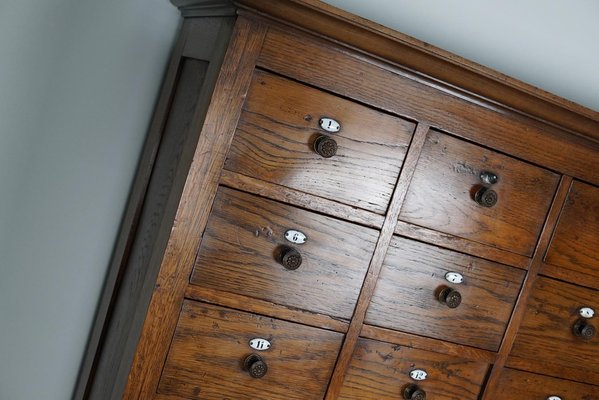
column 361, row 216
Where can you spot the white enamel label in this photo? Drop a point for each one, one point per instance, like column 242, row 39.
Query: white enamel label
column 329, row 125
column 259, row 344
column 554, row 398
column 418, row 374
column 295, row 236
column 454, row 277
column 586, row 312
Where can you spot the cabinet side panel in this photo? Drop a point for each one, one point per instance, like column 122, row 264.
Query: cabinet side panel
column 193, row 208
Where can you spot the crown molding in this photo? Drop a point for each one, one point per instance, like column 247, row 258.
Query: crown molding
column 423, row 58
column 205, row 8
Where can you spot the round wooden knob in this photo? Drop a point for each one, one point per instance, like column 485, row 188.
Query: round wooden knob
column 290, row 258
column 450, row 297
column 413, row 392
column 255, row 366
column 584, row 330
column 325, row 146
column 486, row 197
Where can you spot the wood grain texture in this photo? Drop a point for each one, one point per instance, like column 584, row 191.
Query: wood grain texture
column 462, row 245
column 210, row 343
column 192, row 214
column 574, row 251
column 431, row 61
column 278, row 127
column 428, row 344
column 243, row 241
column 413, row 273
column 517, row 385
column 404, row 94
column 376, row 263
column 301, row 199
column 382, row 370
column 527, row 287
column 545, row 342
column 447, row 176
column 267, row 308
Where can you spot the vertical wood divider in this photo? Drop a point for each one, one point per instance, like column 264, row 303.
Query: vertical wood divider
column 529, row 281
column 192, row 214
column 399, row 194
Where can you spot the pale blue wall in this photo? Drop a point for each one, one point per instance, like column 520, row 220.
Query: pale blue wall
column 78, row 82
column 549, row 44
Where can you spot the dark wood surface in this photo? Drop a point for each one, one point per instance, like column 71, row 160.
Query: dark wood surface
column 199, row 190
column 574, row 252
column 401, row 93
column 381, row 370
column 210, row 344
column 413, row 273
column 527, row 287
column 277, row 129
column 242, row 244
column 376, row 263
column 301, row 199
column 264, row 307
column 447, row 176
column 518, row 385
column 400, row 49
column 426, row 343
column 545, row 342
column 462, row 245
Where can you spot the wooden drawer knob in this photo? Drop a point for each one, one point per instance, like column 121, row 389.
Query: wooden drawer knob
column 325, row 146
column 583, row 329
column 486, row 197
column 290, row 258
column 255, row 366
column 413, row 392
column 450, row 297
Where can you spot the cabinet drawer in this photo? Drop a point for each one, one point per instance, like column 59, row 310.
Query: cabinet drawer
column 413, row 276
column 546, row 342
column 382, row 371
column 275, row 142
column 445, row 185
column 518, row 385
column 211, row 344
column 245, row 239
column 575, row 245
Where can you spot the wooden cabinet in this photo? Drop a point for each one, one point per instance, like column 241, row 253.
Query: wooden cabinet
column 210, row 348
column 364, row 217
column 245, row 244
column 279, row 126
column 555, row 338
column 478, row 194
column 413, row 289
column 516, row 385
column 381, row 370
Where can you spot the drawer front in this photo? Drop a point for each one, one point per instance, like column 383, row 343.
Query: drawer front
column 211, row 344
column 447, row 179
column 575, row 245
column 279, row 125
column 413, row 294
column 382, row 371
column 518, row 385
column 244, row 243
column 546, row 342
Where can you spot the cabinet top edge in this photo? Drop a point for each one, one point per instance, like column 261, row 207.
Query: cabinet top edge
column 399, row 48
